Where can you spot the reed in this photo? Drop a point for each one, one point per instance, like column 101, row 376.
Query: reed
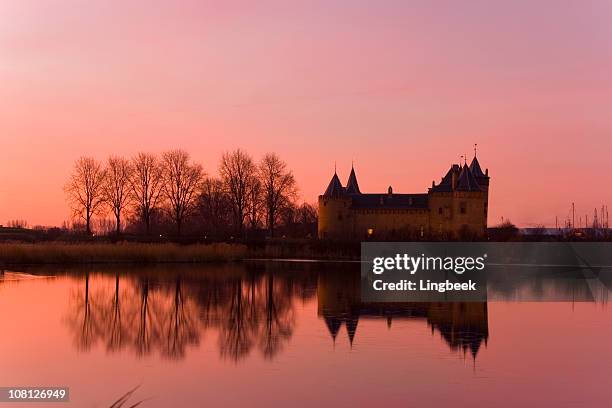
column 120, row 403
column 83, row 253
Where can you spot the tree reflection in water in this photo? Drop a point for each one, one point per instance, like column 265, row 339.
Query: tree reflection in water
column 279, row 318
column 247, row 306
column 240, row 327
column 180, row 329
column 84, row 321
column 116, row 330
column 167, row 311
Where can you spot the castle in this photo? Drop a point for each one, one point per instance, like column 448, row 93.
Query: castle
column 456, row 208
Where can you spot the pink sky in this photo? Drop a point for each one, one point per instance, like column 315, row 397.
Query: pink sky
column 403, row 88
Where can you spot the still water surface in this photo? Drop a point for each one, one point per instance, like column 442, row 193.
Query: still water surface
column 295, row 334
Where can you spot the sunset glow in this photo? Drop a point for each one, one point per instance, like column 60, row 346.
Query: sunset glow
column 403, row 89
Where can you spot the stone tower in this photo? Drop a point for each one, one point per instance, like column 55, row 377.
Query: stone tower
column 335, row 215
column 459, row 204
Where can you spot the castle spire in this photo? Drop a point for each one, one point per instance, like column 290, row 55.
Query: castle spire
column 352, row 187
column 334, row 188
column 476, row 169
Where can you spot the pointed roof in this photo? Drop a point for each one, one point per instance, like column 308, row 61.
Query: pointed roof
column 476, row 169
column 351, row 327
column 334, row 189
column 448, row 178
column 333, row 325
column 352, row 187
column 467, row 181
column 447, row 181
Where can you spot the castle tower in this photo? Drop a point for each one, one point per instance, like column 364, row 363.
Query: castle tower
column 459, row 204
column 335, row 219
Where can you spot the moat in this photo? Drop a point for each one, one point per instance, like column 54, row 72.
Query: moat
column 297, row 334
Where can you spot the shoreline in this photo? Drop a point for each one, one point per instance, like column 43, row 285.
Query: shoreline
column 132, row 253
column 117, row 253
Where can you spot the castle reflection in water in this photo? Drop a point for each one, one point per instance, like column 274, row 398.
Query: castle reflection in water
column 248, row 308
column 463, row 325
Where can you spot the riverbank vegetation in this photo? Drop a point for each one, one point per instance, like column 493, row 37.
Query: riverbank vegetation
column 65, row 253
column 83, row 253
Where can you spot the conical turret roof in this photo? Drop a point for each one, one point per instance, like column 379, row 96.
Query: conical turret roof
column 334, row 189
column 476, row 169
column 352, row 187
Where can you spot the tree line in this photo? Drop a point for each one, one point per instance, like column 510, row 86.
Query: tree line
column 170, row 192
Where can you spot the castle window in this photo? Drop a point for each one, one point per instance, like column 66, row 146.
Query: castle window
column 463, row 207
column 370, row 232
column 440, row 210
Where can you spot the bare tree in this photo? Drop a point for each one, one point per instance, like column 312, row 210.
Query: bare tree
column 307, row 214
column 182, row 181
column 215, row 207
column 17, row 224
column 85, row 189
column 237, row 172
column 279, row 187
column 306, row 221
column 117, row 187
column 254, row 203
column 146, row 184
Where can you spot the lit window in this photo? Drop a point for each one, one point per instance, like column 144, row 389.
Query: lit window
column 370, row 232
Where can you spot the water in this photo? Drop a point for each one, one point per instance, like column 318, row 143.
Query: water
column 294, row 334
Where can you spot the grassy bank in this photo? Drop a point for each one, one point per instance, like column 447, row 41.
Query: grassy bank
column 67, row 253
column 305, row 249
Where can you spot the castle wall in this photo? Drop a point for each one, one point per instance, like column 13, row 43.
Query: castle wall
column 450, row 215
column 391, row 223
column 457, row 214
column 442, row 210
column 470, row 215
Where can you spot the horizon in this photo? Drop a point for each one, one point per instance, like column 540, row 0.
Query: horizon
column 402, row 90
